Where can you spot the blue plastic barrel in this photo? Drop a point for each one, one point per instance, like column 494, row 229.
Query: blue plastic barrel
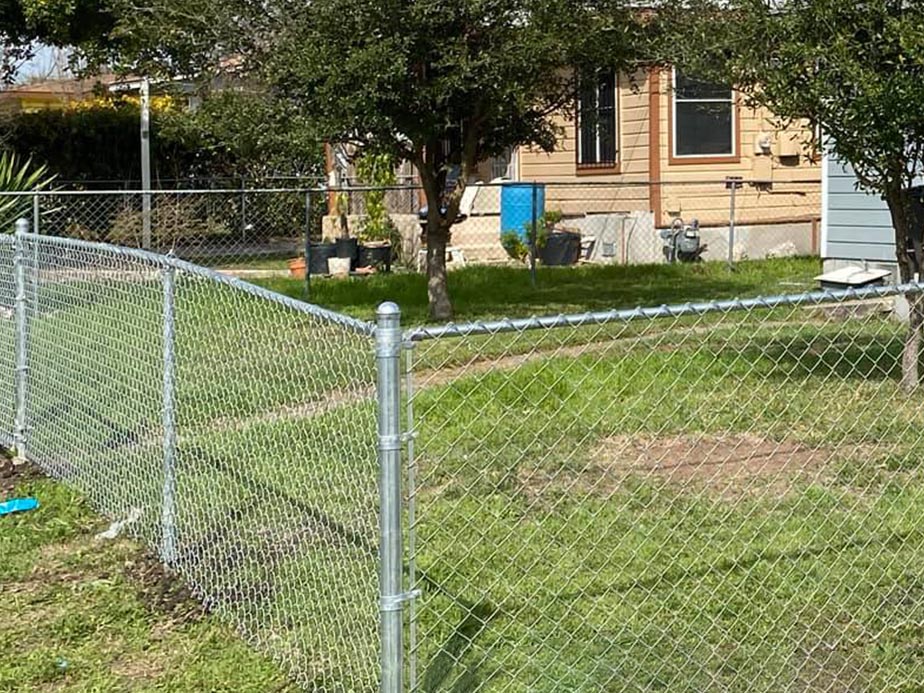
column 517, row 206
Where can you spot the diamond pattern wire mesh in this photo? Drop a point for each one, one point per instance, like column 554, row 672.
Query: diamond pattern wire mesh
column 226, row 228
column 7, row 340
column 618, row 222
column 268, row 508
column 722, row 498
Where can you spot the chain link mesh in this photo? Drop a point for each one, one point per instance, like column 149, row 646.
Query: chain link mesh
column 220, row 228
column 7, row 340
column 259, row 486
column 710, row 498
column 254, row 232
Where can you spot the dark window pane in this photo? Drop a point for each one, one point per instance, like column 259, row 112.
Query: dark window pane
column 607, row 134
column 588, row 122
column 688, row 88
column 597, row 114
column 704, row 129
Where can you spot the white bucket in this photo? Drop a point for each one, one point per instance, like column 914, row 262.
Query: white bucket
column 339, row 266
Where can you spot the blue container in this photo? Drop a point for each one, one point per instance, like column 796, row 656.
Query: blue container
column 517, row 207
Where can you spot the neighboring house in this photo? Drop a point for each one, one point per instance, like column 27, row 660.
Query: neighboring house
column 656, row 146
column 51, row 94
column 59, row 93
column 669, row 140
column 856, row 226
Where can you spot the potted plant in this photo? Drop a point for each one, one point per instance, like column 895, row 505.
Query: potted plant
column 346, row 247
column 319, row 254
column 380, row 238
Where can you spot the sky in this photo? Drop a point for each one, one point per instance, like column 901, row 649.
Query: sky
column 47, row 62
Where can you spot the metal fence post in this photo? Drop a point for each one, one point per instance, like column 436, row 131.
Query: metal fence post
column 307, row 245
column 168, row 514
column 22, row 338
column 533, row 234
column 146, row 235
column 388, row 365
column 36, row 214
column 732, row 184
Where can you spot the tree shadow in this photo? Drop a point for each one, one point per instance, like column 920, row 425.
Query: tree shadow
column 458, row 666
column 840, row 357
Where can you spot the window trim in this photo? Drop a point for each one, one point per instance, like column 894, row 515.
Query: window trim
column 607, row 168
column 675, row 159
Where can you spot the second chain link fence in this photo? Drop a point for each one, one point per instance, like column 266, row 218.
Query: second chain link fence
column 255, row 231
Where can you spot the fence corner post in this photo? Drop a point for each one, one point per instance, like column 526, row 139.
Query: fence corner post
column 22, row 338
column 168, row 511
column 307, row 245
column 388, row 341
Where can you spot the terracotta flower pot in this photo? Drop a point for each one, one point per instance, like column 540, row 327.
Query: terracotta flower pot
column 297, row 268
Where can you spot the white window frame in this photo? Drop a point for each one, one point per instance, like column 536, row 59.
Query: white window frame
column 733, row 105
column 579, row 142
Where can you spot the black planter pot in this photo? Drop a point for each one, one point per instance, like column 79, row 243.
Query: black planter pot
column 562, row 248
column 320, row 254
column 378, row 256
column 348, row 248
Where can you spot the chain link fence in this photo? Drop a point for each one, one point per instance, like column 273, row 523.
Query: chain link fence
column 255, row 231
column 708, row 497
column 231, row 429
column 713, row 496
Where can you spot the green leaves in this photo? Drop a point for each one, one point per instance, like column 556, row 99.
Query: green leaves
column 17, row 176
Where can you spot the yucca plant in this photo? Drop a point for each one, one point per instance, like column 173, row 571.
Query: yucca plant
column 17, row 176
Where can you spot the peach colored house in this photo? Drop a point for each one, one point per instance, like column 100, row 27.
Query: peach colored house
column 645, row 149
column 666, row 144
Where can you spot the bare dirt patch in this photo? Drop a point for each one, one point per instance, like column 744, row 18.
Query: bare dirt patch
column 161, row 591
column 11, row 474
column 729, row 465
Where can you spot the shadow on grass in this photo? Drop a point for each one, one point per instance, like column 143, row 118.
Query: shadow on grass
column 839, row 357
column 455, row 667
column 493, row 292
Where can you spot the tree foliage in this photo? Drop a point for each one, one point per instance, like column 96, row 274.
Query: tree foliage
column 855, row 70
column 84, row 25
column 99, row 140
column 444, row 84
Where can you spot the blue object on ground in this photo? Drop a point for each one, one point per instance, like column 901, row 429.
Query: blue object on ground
column 18, row 505
column 517, row 207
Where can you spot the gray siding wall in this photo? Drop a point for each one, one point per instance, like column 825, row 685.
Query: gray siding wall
column 857, row 225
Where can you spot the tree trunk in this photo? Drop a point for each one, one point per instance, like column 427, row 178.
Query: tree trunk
column 910, row 269
column 911, row 356
column 437, row 283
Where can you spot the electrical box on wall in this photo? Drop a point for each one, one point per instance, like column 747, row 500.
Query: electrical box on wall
column 762, row 169
column 789, row 145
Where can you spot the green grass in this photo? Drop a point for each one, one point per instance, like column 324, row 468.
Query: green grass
column 85, row 615
column 551, row 562
column 480, row 292
column 548, row 560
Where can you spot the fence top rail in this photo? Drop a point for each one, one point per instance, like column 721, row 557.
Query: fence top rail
column 422, row 334
column 345, row 321
column 322, row 189
column 157, row 192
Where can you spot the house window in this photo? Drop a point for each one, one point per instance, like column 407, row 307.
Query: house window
column 598, row 131
column 704, row 118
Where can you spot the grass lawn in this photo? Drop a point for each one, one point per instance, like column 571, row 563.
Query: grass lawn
column 480, row 292
column 81, row 614
column 709, row 503
column 729, row 508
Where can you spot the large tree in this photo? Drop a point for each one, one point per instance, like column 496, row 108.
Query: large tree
column 444, row 84
column 855, row 70
column 85, row 26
